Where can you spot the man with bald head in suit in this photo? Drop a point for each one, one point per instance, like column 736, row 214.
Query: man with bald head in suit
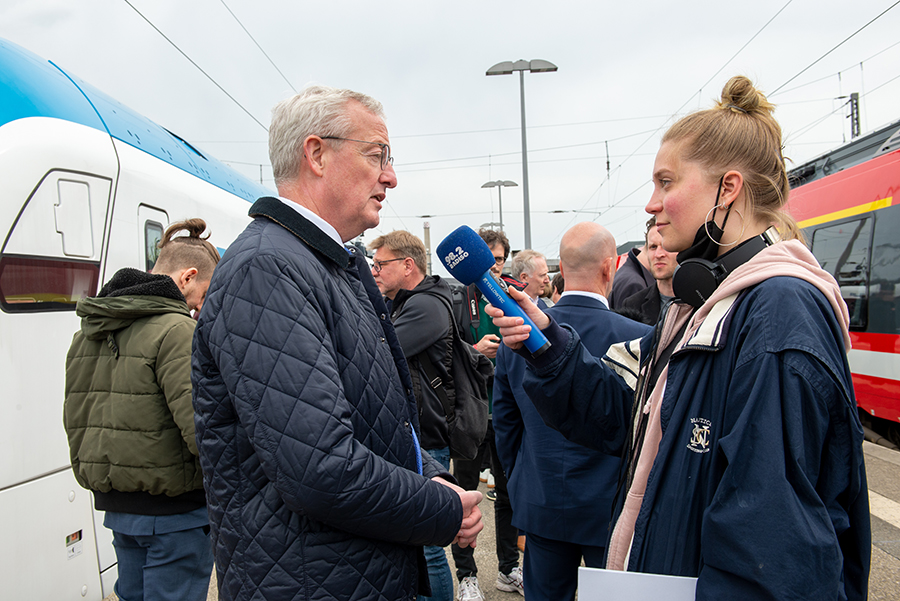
column 561, row 492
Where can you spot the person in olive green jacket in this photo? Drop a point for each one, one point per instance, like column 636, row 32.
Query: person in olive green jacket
column 130, row 422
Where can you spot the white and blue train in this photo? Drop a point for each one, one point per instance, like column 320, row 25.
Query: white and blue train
column 87, row 186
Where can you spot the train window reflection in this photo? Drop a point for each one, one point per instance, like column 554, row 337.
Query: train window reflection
column 843, row 251
column 29, row 284
column 153, row 233
column 884, row 281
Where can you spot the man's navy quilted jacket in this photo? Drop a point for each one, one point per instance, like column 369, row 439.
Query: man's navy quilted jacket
column 304, row 414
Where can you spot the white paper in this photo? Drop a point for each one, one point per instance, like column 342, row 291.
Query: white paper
column 601, row 585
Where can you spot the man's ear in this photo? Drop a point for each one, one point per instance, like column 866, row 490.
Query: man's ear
column 187, row 276
column 314, row 154
column 609, row 268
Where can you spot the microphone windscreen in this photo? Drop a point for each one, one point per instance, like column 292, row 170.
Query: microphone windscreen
column 465, row 255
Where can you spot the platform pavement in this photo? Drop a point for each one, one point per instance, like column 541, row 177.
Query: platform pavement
column 883, row 470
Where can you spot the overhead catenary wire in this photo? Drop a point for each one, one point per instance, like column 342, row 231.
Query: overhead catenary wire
column 268, row 58
column 615, row 156
column 199, row 68
column 844, row 41
column 830, row 75
column 517, row 152
column 755, row 35
column 677, row 111
column 467, row 132
column 881, row 85
column 530, row 127
column 618, row 202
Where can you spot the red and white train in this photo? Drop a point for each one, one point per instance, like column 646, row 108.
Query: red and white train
column 848, row 203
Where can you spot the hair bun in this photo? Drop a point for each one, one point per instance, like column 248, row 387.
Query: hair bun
column 741, row 96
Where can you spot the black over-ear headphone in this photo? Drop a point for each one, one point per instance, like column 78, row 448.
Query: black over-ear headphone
column 696, row 279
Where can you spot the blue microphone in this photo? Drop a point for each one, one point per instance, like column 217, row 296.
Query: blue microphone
column 468, row 259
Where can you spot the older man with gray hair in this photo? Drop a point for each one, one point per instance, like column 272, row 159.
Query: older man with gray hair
column 306, row 423
column 530, row 268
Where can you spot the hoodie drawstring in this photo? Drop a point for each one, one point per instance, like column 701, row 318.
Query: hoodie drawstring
column 111, row 343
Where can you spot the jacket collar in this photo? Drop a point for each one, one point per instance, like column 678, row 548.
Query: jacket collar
column 713, row 331
column 134, row 282
column 275, row 210
column 581, row 300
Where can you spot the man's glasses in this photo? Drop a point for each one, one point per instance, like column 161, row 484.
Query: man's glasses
column 500, row 260
column 378, row 265
column 386, row 158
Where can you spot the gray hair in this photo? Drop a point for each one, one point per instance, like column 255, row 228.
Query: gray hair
column 523, row 262
column 317, row 110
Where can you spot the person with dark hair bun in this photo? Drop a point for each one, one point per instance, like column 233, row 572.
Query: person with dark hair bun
column 130, row 422
column 188, row 260
column 736, row 417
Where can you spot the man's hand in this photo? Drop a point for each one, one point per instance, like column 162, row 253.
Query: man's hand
column 488, row 345
column 512, row 329
column 471, row 523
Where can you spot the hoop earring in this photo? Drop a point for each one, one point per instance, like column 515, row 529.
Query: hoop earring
column 709, row 218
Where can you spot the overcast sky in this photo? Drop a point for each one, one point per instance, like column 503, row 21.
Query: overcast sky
column 625, row 69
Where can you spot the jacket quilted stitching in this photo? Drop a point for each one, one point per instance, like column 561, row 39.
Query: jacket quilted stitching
column 304, row 410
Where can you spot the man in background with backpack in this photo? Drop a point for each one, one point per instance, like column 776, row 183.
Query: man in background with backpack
column 422, row 322
column 477, row 326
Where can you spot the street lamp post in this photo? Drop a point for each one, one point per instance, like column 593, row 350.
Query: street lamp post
column 500, row 184
column 506, row 68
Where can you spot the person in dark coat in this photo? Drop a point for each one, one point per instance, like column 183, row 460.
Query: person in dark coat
column 422, row 322
column 561, row 492
column 744, row 461
column 648, row 302
column 306, row 423
column 633, row 275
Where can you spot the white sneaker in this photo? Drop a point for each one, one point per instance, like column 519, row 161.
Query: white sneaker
column 469, row 590
column 512, row 582
column 483, row 475
column 490, row 480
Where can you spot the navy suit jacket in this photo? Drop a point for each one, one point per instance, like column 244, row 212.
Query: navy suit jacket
column 558, row 489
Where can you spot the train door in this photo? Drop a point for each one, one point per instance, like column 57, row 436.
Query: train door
column 50, row 258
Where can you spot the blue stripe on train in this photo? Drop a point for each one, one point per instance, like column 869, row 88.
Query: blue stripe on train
column 33, row 87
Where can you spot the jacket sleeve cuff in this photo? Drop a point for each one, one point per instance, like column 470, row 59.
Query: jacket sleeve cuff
column 432, row 468
column 561, row 344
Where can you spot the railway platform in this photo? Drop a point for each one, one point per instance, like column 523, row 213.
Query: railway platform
column 883, row 470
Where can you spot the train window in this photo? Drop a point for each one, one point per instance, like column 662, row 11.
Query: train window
column 884, row 281
column 843, row 250
column 29, row 284
column 153, row 233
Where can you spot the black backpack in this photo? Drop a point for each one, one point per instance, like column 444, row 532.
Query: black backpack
column 465, row 311
column 465, row 397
